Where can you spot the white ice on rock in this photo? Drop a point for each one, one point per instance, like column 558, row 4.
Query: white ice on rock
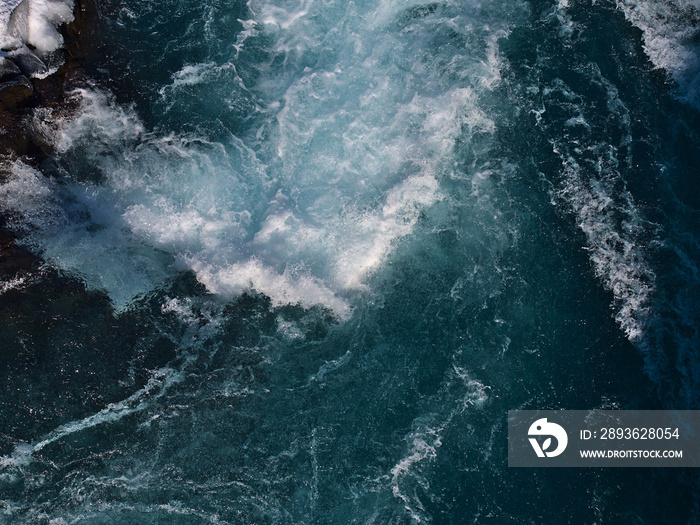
column 34, row 23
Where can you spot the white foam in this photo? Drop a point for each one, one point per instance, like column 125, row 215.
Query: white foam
column 670, row 30
column 69, row 228
column 615, row 252
column 32, row 200
column 460, row 392
column 20, row 457
column 16, row 283
column 284, row 288
column 195, row 74
column 182, row 308
column 249, row 30
column 355, row 154
column 99, row 119
column 156, row 387
column 378, row 231
column 594, row 191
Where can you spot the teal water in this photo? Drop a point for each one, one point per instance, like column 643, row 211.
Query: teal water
column 301, row 258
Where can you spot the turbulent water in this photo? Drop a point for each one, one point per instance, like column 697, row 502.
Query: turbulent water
column 300, row 257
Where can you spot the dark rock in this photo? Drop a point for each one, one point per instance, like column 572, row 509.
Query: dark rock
column 16, row 138
column 80, row 39
column 15, row 91
column 18, row 98
column 54, row 60
column 8, row 69
column 30, row 64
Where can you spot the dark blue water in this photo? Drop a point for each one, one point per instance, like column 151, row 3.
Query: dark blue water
column 301, row 258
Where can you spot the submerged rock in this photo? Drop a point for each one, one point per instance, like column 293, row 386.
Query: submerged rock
column 15, row 91
column 54, row 60
column 8, row 69
column 31, row 77
column 30, row 64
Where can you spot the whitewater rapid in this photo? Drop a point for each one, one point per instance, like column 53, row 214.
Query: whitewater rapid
column 356, row 152
column 301, row 257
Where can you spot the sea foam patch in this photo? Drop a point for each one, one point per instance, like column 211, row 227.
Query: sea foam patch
column 357, row 147
column 670, row 30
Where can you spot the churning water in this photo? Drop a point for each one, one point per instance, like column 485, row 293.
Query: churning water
column 302, row 256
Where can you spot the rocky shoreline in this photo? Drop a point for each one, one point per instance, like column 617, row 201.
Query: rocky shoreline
column 27, row 83
column 44, row 329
